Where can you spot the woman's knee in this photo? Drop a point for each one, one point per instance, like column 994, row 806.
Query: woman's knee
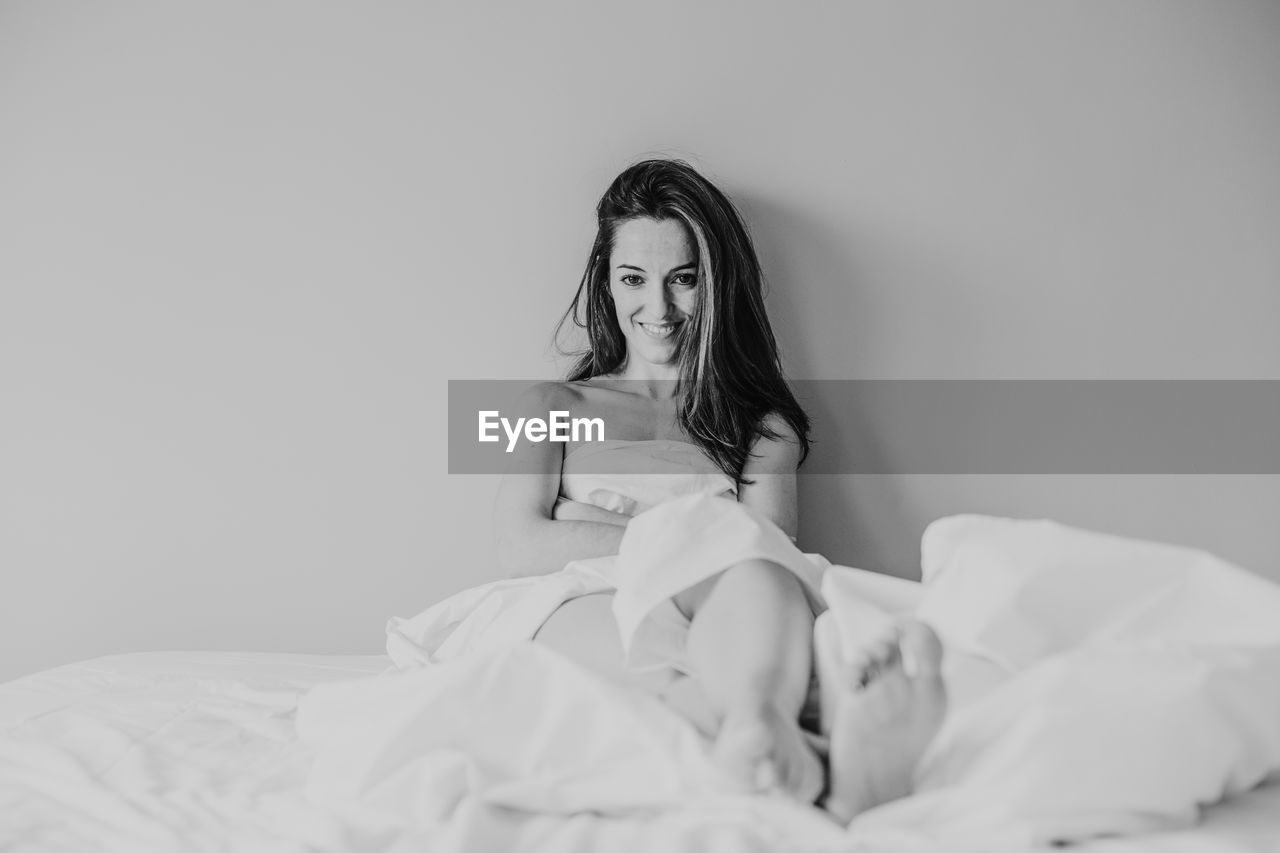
column 748, row 577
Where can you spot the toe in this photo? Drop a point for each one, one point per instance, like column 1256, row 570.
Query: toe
column 742, row 747
column 857, row 672
column 808, row 779
column 921, row 650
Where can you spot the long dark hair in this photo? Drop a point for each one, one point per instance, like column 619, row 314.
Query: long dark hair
column 729, row 370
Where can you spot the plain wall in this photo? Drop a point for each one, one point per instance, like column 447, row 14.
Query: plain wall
column 243, row 246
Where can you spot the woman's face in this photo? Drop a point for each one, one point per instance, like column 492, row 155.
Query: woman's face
column 653, row 277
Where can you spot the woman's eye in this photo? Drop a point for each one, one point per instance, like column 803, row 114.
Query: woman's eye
column 632, row 280
column 687, row 279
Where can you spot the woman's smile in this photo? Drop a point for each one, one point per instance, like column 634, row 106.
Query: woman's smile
column 659, row 331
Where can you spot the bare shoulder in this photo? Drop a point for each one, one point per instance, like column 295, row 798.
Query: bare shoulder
column 776, row 448
column 550, row 396
column 770, row 473
column 774, row 427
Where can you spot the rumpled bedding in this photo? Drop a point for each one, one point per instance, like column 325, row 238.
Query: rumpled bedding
column 166, row 751
column 1138, row 682
column 666, row 550
column 1101, row 686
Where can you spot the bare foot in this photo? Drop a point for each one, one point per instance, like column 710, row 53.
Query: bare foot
column 767, row 750
column 887, row 711
column 684, row 694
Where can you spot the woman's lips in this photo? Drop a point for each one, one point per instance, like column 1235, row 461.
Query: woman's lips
column 658, row 331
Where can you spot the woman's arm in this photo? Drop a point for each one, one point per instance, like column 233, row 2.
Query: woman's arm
column 530, row 540
column 567, row 510
column 772, row 466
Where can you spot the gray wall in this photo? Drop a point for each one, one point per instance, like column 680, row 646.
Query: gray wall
column 243, row 246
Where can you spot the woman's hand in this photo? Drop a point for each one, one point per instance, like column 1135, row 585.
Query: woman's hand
column 567, row 510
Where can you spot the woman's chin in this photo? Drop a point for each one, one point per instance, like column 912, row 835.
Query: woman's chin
column 653, row 352
column 662, row 356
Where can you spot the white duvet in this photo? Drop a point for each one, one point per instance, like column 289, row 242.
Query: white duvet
column 1101, row 686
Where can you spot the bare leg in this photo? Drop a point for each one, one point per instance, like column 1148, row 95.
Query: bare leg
column 751, row 644
column 750, row 641
column 886, row 713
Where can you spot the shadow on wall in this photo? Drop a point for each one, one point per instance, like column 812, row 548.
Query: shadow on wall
column 868, row 300
column 826, row 322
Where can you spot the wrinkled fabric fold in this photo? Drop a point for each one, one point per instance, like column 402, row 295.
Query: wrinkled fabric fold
column 1099, row 685
column 682, row 543
column 1125, row 685
column 666, row 550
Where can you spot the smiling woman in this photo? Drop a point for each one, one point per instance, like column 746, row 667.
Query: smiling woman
column 673, row 292
column 663, row 558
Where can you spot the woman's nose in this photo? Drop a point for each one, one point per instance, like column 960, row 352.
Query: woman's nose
column 660, row 301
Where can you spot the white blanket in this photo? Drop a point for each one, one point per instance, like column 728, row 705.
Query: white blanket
column 1102, row 685
column 1139, row 682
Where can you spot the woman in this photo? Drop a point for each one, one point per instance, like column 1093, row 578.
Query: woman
column 683, row 370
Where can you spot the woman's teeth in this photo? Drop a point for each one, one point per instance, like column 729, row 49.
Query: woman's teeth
column 658, row 330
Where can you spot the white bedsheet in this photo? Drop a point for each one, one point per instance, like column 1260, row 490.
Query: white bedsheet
column 1134, row 682
column 163, row 751
column 196, row 751
column 1121, row 685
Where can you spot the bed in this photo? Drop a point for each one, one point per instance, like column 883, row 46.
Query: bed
column 1111, row 718
column 197, row 751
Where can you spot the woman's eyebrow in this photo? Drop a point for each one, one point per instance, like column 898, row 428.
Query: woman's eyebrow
column 673, row 269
